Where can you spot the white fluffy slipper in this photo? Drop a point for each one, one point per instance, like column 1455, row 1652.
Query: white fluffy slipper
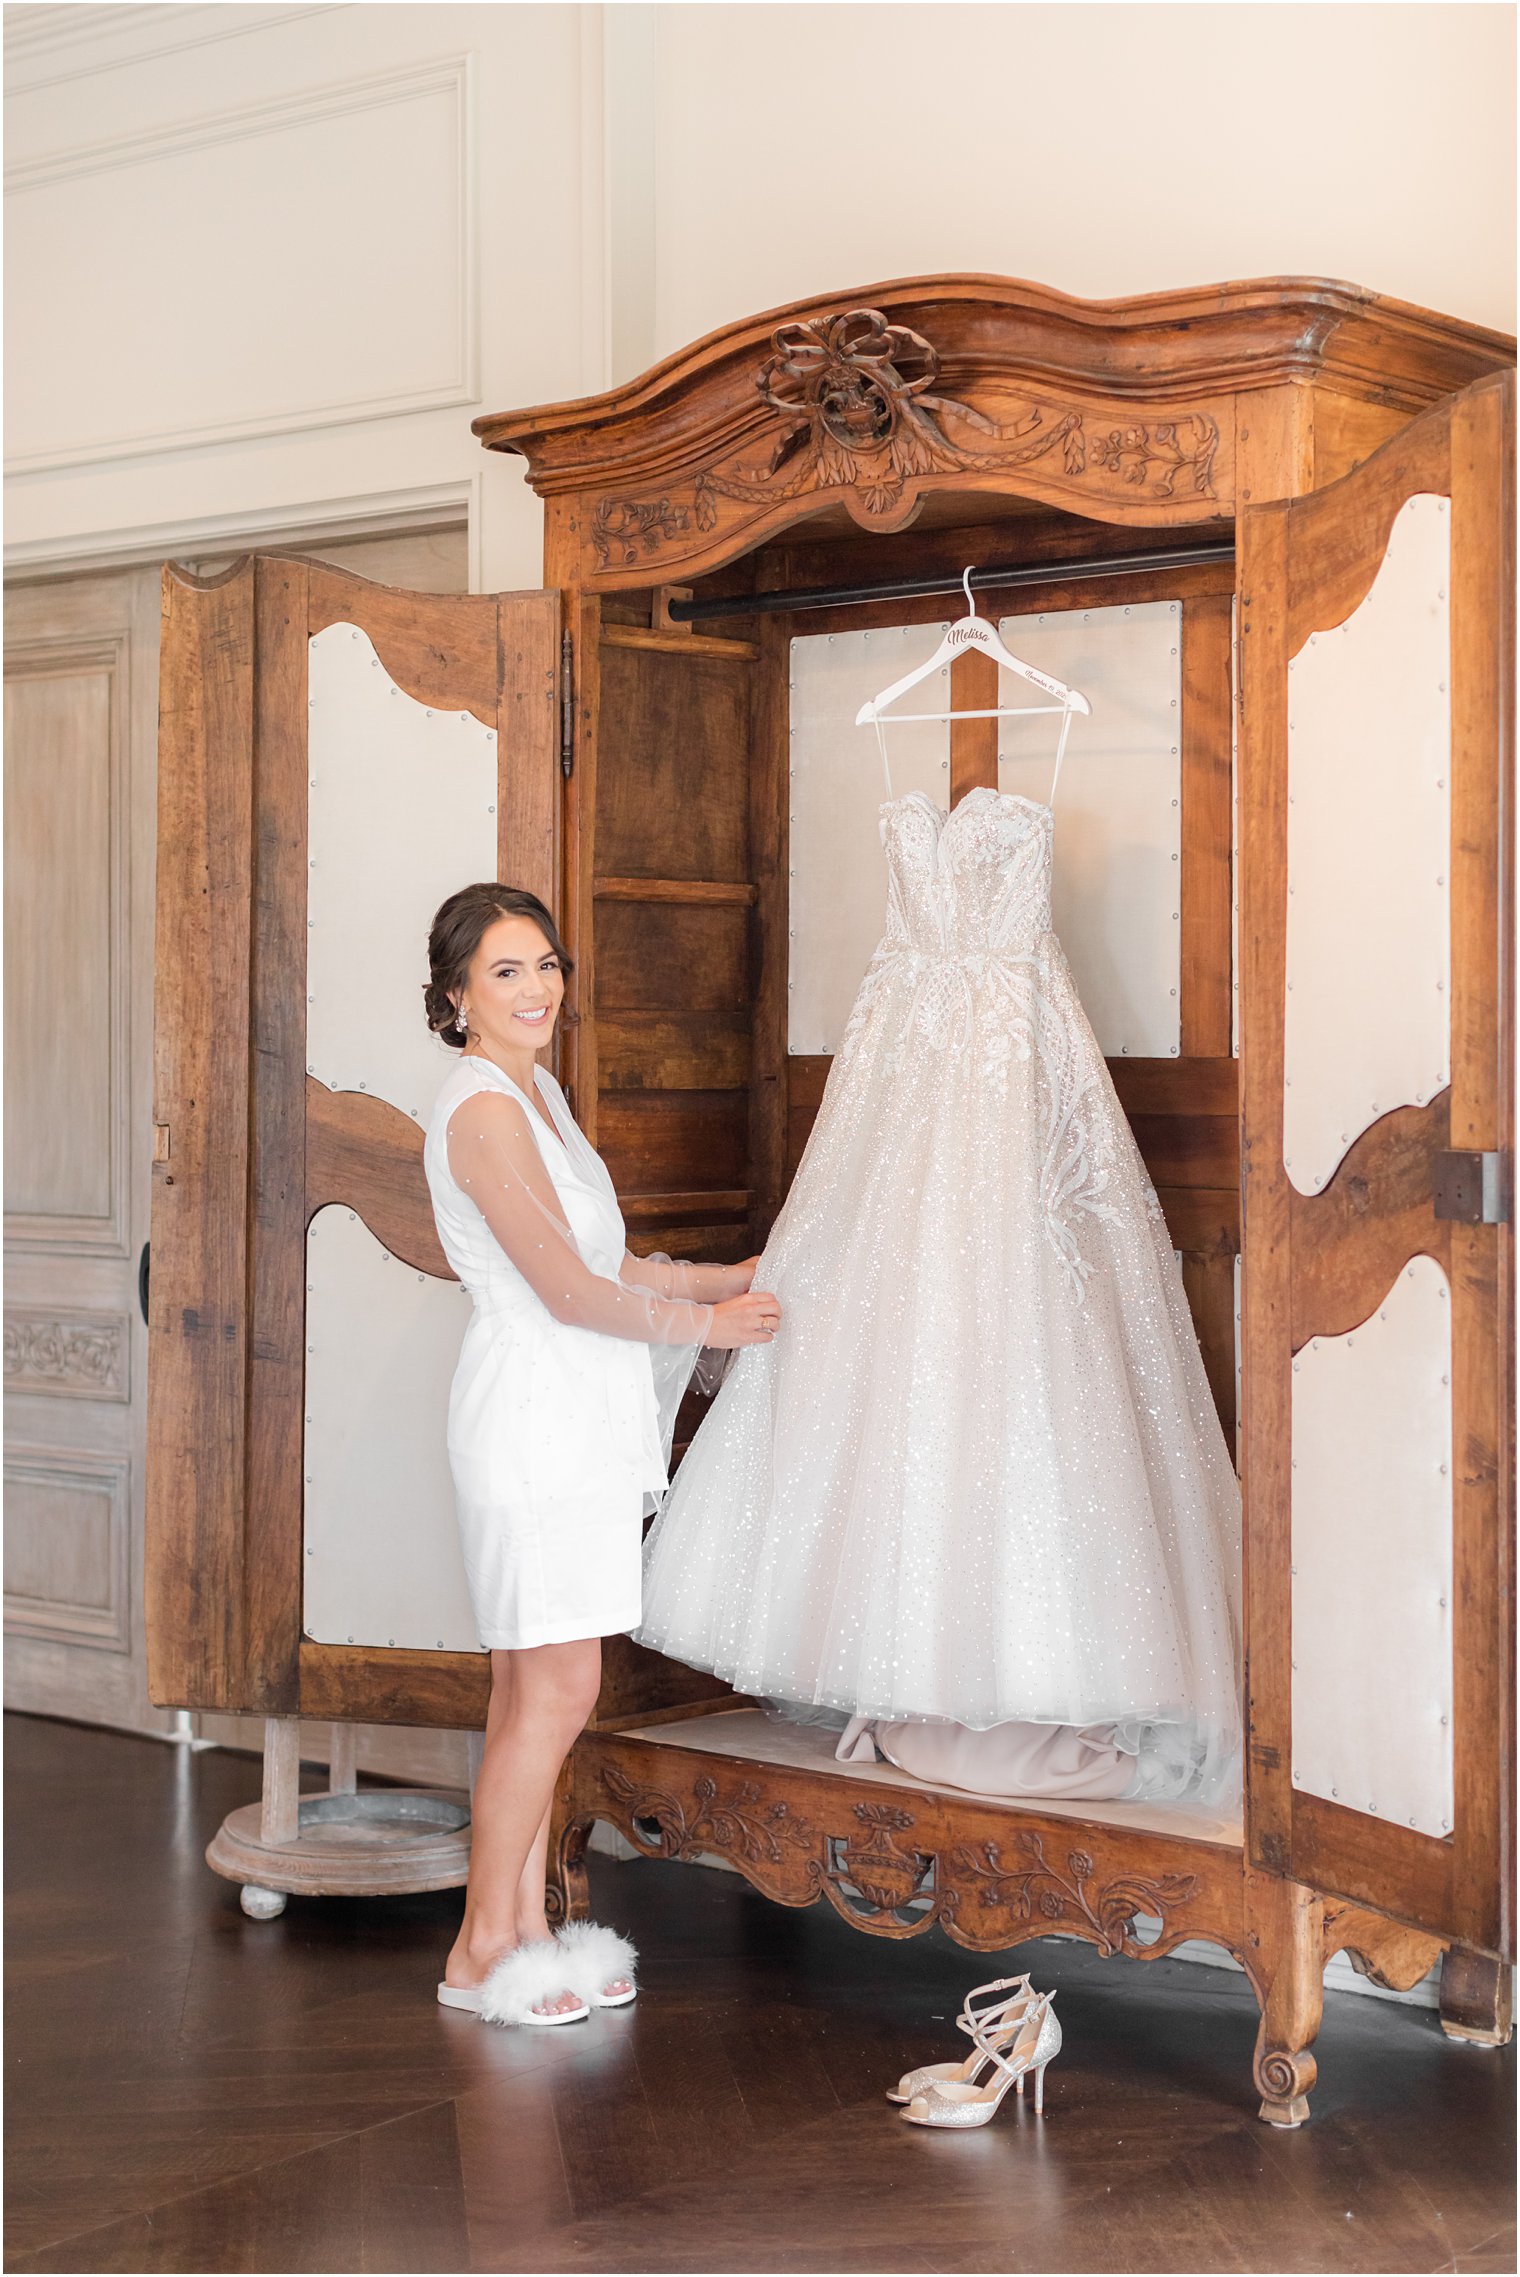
column 527, row 1974
column 594, row 1957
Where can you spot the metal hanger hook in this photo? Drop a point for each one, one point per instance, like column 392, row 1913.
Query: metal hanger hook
column 966, row 584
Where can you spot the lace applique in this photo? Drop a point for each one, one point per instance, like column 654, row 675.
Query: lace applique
column 984, row 876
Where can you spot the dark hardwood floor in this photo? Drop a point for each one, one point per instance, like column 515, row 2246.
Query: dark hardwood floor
column 190, row 2090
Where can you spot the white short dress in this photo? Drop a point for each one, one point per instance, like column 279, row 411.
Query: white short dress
column 555, row 1434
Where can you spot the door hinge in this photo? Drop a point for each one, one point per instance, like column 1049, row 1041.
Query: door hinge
column 1473, row 1189
column 566, row 704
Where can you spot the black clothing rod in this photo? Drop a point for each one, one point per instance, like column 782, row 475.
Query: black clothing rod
column 943, row 581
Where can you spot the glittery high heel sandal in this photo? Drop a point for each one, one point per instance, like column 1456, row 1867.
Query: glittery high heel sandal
column 1032, row 2045
column 994, row 2018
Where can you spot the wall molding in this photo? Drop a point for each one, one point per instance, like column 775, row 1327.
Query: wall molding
column 450, row 75
column 421, row 506
column 56, row 1234
column 68, row 1353
column 102, row 1628
column 75, row 28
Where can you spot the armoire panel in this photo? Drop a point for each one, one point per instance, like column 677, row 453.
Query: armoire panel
column 654, row 1142
column 675, row 804
column 1372, row 1559
column 381, row 1561
column 836, row 868
column 681, row 959
column 1368, row 1011
column 401, row 811
column 1117, row 855
column 659, row 1051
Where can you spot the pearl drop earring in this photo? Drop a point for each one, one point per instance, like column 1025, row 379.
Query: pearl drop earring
column 460, row 1022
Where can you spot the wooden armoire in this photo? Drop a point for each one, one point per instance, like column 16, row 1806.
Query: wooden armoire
column 1317, row 483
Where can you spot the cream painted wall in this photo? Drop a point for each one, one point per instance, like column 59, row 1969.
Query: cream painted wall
column 341, row 230
column 318, row 239
column 1102, row 149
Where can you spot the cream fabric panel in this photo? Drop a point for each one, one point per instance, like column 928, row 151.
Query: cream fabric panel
column 838, row 868
column 1118, row 816
column 401, row 809
column 1372, row 1559
column 1367, row 1019
column 383, row 1563
column 401, row 812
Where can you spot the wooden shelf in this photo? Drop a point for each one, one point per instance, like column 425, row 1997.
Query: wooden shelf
column 659, row 1209
column 679, row 643
column 738, row 893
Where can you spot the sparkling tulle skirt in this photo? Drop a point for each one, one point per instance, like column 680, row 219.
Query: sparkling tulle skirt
column 979, row 1476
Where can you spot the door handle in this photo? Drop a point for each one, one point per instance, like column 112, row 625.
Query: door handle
column 142, row 1280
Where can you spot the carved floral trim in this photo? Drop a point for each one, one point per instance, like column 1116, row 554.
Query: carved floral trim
column 628, row 527
column 852, row 394
column 1031, row 1888
column 875, row 1878
column 76, row 1355
column 751, row 1829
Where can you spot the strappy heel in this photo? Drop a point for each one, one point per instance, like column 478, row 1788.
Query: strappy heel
column 1031, row 2045
column 1000, row 2015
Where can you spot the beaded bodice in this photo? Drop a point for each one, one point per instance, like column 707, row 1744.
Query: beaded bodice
column 975, row 881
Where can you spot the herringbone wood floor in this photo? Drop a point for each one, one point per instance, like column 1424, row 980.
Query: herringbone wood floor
column 189, row 2090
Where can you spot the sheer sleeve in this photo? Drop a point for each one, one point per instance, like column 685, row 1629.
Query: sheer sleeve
column 668, row 1276
column 494, row 1158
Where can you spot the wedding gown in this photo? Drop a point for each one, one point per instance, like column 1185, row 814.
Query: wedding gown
column 979, row 1479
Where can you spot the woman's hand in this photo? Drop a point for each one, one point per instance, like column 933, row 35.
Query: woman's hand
column 738, row 1279
column 749, row 1319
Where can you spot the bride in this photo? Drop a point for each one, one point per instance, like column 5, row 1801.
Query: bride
column 559, row 1427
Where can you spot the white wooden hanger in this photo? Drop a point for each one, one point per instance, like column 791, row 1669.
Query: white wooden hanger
column 972, row 631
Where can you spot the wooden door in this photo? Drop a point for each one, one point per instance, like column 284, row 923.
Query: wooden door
column 296, row 832
column 81, row 670
column 1376, row 1006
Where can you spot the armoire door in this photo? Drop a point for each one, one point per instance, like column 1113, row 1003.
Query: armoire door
column 1376, row 1006
column 335, row 758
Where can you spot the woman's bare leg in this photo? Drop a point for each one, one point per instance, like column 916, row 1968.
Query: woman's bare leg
column 540, row 1700
column 532, row 1920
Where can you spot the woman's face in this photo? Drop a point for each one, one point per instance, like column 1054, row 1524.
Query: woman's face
column 515, row 987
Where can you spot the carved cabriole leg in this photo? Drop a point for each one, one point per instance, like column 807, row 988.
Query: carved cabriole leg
column 1285, row 1935
column 1477, row 1998
column 567, row 1895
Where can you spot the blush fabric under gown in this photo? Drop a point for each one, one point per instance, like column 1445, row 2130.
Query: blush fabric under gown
column 979, row 1479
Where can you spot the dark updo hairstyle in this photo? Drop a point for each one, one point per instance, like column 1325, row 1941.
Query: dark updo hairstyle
column 457, row 932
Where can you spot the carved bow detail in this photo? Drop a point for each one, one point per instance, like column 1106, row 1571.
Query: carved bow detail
column 854, row 389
